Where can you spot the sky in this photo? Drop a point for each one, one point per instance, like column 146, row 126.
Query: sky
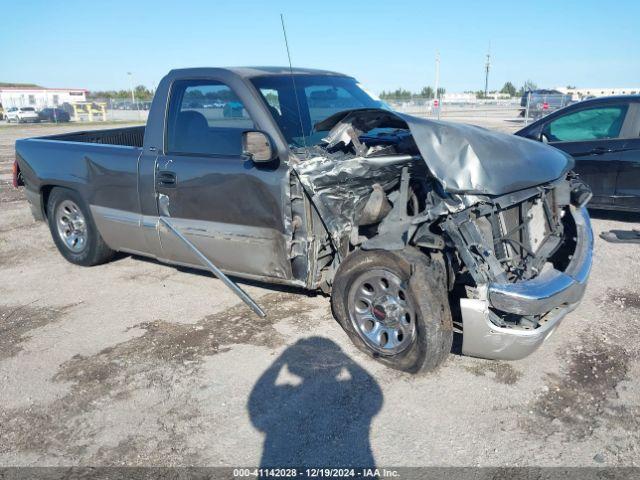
column 384, row 44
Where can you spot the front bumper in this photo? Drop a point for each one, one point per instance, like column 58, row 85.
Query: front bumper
column 551, row 296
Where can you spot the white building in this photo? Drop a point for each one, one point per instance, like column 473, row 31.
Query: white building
column 453, row 97
column 40, row 97
column 580, row 93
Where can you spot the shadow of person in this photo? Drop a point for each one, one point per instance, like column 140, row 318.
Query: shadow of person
column 315, row 406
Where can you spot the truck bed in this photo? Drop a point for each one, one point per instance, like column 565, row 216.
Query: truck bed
column 125, row 137
column 101, row 165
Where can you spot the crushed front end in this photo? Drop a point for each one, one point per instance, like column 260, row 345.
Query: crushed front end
column 504, row 214
column 526, row 257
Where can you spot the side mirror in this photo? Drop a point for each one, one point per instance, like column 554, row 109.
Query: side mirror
column 257, row 146
column 535, row 134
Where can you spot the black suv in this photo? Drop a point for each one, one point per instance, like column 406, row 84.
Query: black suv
column 603, row 136
column 53, row 115
column 543, row 102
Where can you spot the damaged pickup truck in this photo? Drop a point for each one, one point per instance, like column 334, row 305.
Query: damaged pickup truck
column 417, row 228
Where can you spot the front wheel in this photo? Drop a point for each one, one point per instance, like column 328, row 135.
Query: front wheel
column 73, row 229
column 395, row 307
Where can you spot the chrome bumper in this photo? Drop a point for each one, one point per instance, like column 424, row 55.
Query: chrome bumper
column 551, row 295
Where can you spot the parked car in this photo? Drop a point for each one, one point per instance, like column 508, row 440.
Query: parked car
column 603, row 136
column 2, row 114
column 53, row 115
column 394, row 215
column 542, row 102
column 233, row 109
column 22, row 115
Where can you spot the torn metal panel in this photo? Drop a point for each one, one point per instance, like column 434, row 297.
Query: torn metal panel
column 340, row 186
column 466, row 158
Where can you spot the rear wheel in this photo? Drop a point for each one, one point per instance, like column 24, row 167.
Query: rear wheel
column 395, row 307
column 73, row 229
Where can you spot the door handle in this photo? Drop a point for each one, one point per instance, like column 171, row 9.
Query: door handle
column 166, row 179
column 600, row 150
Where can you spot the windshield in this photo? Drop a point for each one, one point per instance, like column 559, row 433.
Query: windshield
column 320, row 96
column 28, row 109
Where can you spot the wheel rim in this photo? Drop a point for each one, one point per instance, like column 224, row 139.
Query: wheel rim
column 382, row 312
column 71, row 226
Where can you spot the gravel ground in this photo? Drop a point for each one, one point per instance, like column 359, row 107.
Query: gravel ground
column 139, row 363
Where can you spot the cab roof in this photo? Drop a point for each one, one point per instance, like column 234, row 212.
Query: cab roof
column 250, row 72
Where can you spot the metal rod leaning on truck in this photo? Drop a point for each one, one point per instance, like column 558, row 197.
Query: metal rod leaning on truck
column 215, row 270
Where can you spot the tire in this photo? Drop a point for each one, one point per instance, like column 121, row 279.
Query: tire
column 424, row 293
column 66, row 208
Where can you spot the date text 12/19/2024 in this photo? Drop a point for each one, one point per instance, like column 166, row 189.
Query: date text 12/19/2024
column 316, row 472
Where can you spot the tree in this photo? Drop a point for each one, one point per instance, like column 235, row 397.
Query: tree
column 509, row 88
column 398, row 94
column 19, row 85
column 441, row 92
column 142, row 93
column 426, row 92
column 403, row 94
column 528, row 86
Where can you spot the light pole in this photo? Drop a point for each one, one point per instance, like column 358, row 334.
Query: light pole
column 133, row 95
column 487, row 66
column 435, row 94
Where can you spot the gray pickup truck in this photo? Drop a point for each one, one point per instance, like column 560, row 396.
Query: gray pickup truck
column 418, row 229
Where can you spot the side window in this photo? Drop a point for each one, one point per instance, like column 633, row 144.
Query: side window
column 206, row 118
column 589, row 124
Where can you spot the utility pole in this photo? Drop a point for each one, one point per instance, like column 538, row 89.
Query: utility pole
column 133, row 95
column 487, row 66
column 436, row 93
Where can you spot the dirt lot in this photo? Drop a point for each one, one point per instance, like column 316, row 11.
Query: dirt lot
column 139, row 363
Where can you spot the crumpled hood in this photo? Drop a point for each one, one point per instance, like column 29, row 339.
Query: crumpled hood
column 473, row 160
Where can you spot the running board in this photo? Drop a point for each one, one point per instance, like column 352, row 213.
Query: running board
column 216, row 271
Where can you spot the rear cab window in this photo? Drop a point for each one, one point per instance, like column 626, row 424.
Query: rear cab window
column 205, row 117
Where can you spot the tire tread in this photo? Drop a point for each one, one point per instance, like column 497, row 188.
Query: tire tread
column 97, row 251
column 426, row 278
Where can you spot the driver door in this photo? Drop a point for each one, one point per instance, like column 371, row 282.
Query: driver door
column 228, row 206
column 592, row 137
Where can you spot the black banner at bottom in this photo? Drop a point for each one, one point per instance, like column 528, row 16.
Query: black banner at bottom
column 393, row 473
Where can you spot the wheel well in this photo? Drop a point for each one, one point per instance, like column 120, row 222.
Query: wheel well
column 45, row 193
